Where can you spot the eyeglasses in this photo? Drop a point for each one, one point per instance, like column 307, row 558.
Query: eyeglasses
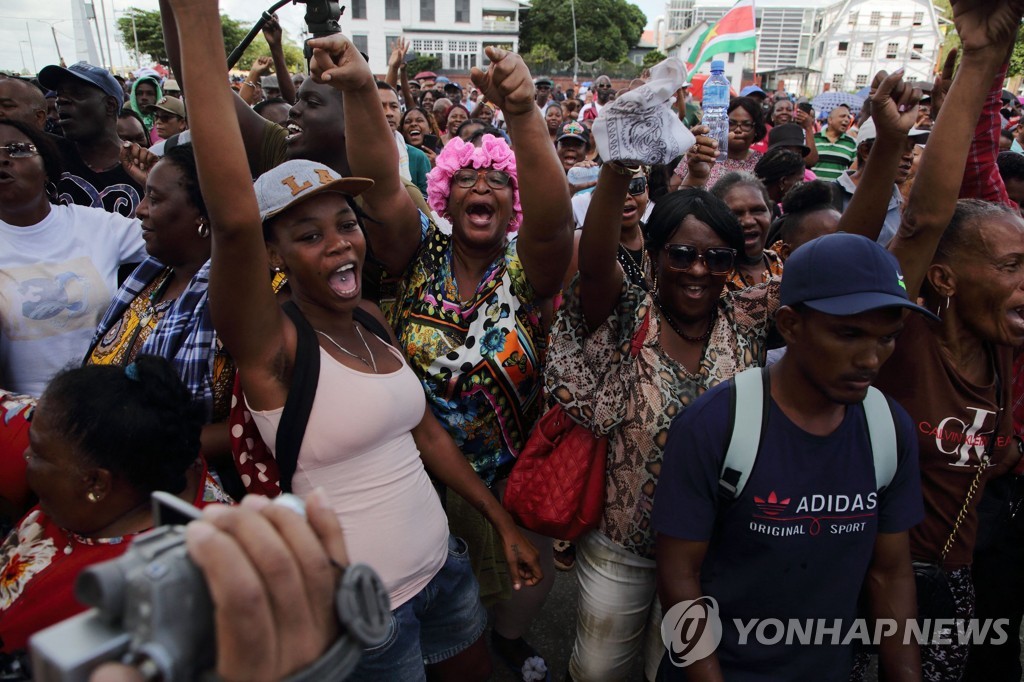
column 167, row 118
column 496, row 179
column 719, row 260
column 637, row 186
column 604, row 86
column 742, row 125
column 20, row 150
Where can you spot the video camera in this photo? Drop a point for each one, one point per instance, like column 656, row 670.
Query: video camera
column 152, row 609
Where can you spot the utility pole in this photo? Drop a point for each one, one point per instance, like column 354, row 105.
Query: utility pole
column 31, row 49
column 106, row 31
column 575, row 48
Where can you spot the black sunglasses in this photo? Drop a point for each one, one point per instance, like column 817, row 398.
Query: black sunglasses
column 637, row 186
column 719, row 260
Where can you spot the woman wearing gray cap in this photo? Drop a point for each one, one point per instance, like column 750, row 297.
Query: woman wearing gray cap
column 302, row 219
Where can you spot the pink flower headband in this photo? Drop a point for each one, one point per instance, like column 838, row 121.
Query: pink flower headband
column 493, row 152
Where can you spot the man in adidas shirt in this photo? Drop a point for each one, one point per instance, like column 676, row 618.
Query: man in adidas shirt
column 812, row 522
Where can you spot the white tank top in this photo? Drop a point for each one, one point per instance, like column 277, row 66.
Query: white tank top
column 359, row 448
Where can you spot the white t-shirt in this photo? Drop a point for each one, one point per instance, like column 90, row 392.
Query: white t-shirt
column 57, row 278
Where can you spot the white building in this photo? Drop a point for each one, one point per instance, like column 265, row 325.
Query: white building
column 859, row 38
column 456, row 31
column 810, row 43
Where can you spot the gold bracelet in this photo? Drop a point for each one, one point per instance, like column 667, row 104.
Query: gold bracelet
column 622, row 169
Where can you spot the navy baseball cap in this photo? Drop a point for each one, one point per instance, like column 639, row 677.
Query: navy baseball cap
column 845, row 274
column 51, row 76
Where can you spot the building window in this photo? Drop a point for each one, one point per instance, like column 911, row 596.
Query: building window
column 915, row 52
column 843, row 48
column 392, row 11
column 876, row 18
column 892, row 50
column 837, row 81
column 897, row 18
column 862, row 81
column 461, row 11
column 361, row 44
column 426, row 10
column 867, row 50
column 853, row 18
column 918, row 18
column 359, row 9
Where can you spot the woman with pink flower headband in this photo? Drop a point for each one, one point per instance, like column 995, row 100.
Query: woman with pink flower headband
column 471, row 309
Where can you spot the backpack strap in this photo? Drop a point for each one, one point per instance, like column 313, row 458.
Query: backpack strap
column 749, row 394
column 882, row 432
column 372, row 324
column 305, row 377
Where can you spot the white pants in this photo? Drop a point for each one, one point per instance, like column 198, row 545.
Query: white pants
column 618, row 612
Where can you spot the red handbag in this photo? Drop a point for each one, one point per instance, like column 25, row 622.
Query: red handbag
column 557, row 485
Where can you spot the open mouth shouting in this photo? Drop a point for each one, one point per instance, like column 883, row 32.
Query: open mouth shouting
column 344, row 281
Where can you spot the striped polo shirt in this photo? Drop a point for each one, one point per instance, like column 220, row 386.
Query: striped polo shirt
column 834, row 157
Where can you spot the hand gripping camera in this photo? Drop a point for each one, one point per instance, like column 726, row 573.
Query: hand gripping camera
column 152, row 609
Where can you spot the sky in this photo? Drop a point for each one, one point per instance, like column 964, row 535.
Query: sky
column 26, row 40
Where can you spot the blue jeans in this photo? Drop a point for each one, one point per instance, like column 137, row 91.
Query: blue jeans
column 442, row 620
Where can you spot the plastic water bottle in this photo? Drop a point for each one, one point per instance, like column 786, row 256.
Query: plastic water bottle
column 716, row 107
column 583, row 176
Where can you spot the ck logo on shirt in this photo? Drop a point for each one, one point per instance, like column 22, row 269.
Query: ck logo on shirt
column 960, row 438
column 835, row 514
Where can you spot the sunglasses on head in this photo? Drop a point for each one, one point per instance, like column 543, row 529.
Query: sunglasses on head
column 20, row 150
column 637, row 186
column 719, row 260
column 495, row 179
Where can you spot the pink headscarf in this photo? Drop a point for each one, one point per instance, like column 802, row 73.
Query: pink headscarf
column 493, row 152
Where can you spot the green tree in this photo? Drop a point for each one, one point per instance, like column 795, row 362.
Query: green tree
column 1017, row 56
column 423, row 62
column 151, row 39
column 653, row 57
column 604, row 28
column 542, row 60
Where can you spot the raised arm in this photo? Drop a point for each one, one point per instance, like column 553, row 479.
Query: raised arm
column 981, row 176
column 394, row 231
column 545, row 238
column 600, row 274
column 273, row 34
column 986, row 31
column 806, row 121
column 398, row 74
column 242, row 306
column 894, row 111
column 260, row 68
column 251, row 123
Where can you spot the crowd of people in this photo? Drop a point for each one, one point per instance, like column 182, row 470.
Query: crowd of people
column 800, row 352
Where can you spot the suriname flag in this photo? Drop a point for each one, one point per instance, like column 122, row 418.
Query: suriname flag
column 733, row 33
